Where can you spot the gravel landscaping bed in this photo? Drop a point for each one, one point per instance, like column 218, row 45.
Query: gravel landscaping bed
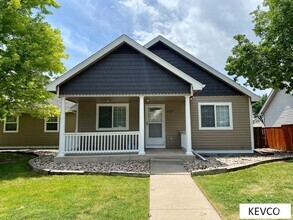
column 47, row 162
column 226, row 161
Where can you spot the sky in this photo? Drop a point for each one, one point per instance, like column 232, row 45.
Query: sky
column 204, row 28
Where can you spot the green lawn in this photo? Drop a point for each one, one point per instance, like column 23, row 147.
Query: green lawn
column 27, row 195
column 267, row 183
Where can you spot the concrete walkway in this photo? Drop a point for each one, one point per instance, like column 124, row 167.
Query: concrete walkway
column 174, row 195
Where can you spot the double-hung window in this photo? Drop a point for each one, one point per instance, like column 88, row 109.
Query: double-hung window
column 112, row 116
column 52, row 124
column 217, row 116
column 11, row 124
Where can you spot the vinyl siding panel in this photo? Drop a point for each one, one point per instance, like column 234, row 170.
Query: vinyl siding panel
column 31, row 132
column 236, row 139
column 280, row 110
column 175, row 122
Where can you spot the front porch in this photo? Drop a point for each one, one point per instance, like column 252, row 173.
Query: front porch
column 150, row 154
column 146, row 123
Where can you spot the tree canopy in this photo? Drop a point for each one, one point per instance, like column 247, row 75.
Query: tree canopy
column 269, row 62
column 30, row 54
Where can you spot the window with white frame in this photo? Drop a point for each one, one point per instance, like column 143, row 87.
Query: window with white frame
column 215, row 116
column 11, row 124
column 52, row 124
column 112, row 116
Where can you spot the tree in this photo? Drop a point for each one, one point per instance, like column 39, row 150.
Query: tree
column 269, row 62
column 30, row 54
column 257, row 107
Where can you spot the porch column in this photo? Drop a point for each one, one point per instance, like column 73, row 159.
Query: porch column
column 141, row 125
column 62, row 128
column 188, row 126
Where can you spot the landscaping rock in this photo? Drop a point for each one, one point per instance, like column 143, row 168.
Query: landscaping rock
column 47, row 162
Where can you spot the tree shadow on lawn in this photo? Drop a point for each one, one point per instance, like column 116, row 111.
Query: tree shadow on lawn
column 15, row 165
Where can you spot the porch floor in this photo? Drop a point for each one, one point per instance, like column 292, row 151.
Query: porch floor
column 163, row 154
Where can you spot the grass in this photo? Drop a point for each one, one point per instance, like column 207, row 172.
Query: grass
column 27, row 195
column 267, row 183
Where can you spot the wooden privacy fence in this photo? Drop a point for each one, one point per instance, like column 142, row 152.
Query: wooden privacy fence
column 259, row 137
column 280, row 138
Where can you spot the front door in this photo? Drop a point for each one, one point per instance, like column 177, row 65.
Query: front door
column 155, row 126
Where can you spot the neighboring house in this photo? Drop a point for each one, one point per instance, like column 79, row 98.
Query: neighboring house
column 26, row 131
column 131, row 98
column 278, row 109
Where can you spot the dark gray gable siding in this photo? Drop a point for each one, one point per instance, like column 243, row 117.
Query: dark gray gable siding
column 214, row 86
column 125, row 71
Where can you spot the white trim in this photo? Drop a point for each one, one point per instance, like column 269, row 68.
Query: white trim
column 229, row 104
column 268, row 102
column 113, row 105
column 51, row 131
column 251, row 124
column 122, row 95
column 17, row 125
column 224, row 151
column 62, row 128
column 141, row 126
column 112, row 46
column 188, row 126
column 163, row 126
column 226, row 79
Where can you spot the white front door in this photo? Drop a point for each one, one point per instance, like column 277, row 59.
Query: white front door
column 155, row 126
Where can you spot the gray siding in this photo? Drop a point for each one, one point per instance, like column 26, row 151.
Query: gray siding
column 279, row 111
column 31, row 132
column 236, row 139
column 214, row 86
column 125, row 71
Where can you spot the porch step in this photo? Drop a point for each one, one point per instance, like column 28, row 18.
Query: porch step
column 165, row 160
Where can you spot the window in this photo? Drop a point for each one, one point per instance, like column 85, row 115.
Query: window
column 112, row 116
column 215, row 116
column 11, row 124
column 52, row 124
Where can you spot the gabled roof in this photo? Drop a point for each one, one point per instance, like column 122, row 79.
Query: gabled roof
column 114, row 45
column 254, row 98
column 268, row 101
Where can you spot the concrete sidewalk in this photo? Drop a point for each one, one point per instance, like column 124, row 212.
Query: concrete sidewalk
column 175, row 195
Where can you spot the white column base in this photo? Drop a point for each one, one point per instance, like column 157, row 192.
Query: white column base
column 188, row 153
column 141, row 153
column 60, row 155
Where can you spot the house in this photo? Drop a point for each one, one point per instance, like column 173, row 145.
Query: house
column 278, row 109
column 25, row 131
column 131, row 98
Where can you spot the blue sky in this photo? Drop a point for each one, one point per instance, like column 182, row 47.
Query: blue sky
column 204, row 28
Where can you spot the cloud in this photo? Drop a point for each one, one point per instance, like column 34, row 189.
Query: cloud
column 202, row 27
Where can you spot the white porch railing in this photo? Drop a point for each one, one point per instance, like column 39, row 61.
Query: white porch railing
column 101, row 142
